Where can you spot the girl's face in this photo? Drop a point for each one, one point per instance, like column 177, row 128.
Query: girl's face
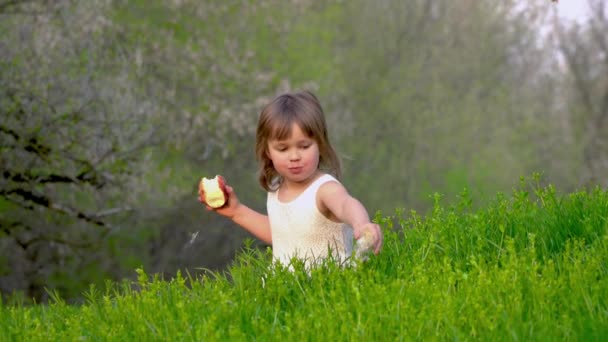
column 296, row 158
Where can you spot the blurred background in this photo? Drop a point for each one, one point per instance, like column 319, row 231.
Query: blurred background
column 112, row 110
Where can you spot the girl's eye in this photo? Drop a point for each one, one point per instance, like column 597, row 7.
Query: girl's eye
column 304, row 147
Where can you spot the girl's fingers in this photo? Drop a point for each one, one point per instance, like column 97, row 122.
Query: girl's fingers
column 378, row 234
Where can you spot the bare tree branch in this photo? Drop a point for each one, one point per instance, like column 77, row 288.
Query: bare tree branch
column 27, row 176
column 4, row 5
column 16, row 7
column 31, row 198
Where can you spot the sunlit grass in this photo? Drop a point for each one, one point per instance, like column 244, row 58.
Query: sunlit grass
column 532, row 266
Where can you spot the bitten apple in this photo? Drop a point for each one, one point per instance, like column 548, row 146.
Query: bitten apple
column 213, row 191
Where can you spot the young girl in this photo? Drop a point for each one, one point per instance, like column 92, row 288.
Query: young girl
column 310, row 213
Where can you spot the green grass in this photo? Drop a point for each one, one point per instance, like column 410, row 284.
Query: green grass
column 529, row 267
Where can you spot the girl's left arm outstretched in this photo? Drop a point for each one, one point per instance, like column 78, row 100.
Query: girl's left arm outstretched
column 333, row 197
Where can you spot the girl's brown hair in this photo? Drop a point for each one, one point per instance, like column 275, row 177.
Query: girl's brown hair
column 275, row 123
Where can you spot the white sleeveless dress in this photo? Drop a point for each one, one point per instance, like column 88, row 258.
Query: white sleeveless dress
column 300, row 230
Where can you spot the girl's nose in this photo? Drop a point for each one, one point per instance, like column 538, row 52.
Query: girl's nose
column 294, row 155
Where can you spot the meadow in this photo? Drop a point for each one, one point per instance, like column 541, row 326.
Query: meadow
column 529, row 265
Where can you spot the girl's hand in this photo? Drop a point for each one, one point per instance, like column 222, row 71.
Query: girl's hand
column 228, row 210
column 370, row 229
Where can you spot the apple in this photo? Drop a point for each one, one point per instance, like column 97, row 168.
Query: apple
column 213, row 191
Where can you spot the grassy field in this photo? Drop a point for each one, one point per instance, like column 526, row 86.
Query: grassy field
column 532, row 265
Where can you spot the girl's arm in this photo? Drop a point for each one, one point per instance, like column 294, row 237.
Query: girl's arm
column 251, row 220
column 334, row 197
column 254, row 222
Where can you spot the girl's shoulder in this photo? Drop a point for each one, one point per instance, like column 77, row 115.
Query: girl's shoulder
column 329, row 187
column 329, row 184
column 311, row 189
column 326, row 177
column 323, row 181
column 316, row 183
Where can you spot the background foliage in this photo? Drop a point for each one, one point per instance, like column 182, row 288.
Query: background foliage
column 113, row 109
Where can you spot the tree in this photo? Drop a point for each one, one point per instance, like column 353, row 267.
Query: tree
column 72, row 134
column 584, row 48
column 114, row 110
column 446, row 95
